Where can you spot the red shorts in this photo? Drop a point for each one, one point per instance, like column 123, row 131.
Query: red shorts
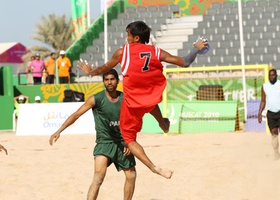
column 131, row 120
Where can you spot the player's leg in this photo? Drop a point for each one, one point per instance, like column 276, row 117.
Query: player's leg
column 52, row 79
column 275, row 143
column 129, row 184
column 273, row 122
column 100, row 169
column 138, row 151
column 164, row 123
column 63, row 79
column 126, row 163
column 130, row 124
column 49, row 79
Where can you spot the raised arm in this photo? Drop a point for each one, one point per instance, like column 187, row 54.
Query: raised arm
column 26, row 98
column 16, row 98
column 72, row 118
column 186, row 60
column 83, row 65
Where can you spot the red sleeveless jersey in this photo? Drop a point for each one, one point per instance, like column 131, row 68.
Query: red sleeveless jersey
column 143, row 80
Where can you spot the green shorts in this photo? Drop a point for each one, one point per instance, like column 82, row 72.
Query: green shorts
column 114, row 151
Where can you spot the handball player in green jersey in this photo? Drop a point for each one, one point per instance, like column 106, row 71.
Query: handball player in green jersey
column 110, row 147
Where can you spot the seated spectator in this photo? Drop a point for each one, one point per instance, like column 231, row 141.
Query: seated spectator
column 37, row 99
column 19, row 100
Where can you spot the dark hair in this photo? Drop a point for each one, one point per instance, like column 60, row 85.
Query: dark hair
column 113, row 72
column 52, row 53
column 139, row 28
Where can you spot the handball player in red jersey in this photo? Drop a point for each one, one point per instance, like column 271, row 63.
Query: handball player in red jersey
column 143, row 84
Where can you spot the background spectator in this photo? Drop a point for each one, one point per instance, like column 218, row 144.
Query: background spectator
column 37, row 99
column 29, row 72
column 64, row 65
column 19, row 100
column 44, row 76
column 36, row 67
column 50, row 67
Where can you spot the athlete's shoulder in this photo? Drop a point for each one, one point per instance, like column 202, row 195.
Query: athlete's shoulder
column 99, row 95
column 266, row 84
column 120, row 94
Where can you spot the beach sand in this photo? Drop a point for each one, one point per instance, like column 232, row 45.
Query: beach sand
column 207, row 166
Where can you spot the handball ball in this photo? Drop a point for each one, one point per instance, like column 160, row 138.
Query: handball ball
column 203, row 51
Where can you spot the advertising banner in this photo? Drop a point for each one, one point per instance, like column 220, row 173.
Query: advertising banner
column 46, row 118
column 208, row 116
column 196, row 117
column 79, row 17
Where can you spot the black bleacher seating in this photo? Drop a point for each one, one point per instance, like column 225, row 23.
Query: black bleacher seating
column 130, row 10
column 260, row 30
column 142, row 9
column 86, row 56
column 152, row 8
column 220, row 25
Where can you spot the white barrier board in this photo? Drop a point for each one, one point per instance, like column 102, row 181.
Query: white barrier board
column 46, row 118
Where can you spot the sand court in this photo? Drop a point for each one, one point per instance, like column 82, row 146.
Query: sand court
column 207, row 166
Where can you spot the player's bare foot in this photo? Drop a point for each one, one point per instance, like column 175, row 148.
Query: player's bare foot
column 165, row 126
column 166, row 173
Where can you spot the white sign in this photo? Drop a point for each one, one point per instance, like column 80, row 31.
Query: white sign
column 46, row 118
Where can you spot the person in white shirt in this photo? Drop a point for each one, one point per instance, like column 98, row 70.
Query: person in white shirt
column 270, row 99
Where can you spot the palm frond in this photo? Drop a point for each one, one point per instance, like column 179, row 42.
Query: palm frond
column 54, row 32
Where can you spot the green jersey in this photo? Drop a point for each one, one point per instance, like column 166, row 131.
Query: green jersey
column 107, row 118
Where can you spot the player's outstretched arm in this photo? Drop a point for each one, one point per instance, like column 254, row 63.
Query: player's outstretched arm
column 199, row 45
column 2, row 148
column 84, row 66
column 54, row 137
column 72, row 118
column 186, row 60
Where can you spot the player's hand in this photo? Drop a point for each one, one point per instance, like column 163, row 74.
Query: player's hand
column 84, row 66
column 3, row 149
column 259, row 118
column 201, row 44
column 54, row 137
column 126, row 151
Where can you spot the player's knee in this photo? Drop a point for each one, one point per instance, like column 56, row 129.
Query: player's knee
column 274, row 132
column 131, row 176
column 98, row 178
column 130, row 173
